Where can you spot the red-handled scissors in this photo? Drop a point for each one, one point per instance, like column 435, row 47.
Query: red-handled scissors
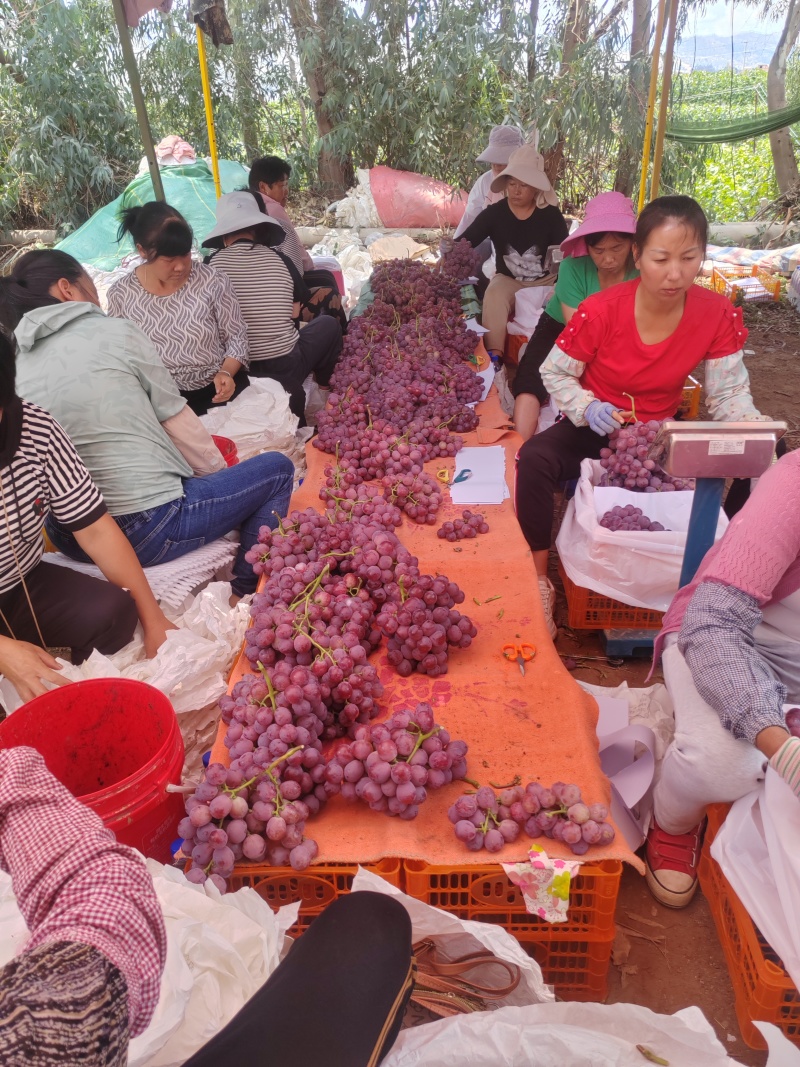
column 521, row 653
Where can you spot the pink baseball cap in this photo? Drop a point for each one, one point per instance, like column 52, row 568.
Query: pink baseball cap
column 605, row 213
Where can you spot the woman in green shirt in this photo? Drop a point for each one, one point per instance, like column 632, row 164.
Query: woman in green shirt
column 597, row 256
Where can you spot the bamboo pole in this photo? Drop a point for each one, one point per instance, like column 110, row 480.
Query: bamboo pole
column 138, row 98
column 651, row 102
column 212, row 133
column 666, row 85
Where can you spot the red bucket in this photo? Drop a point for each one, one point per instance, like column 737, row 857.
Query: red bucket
column 115, row 743
column 227, row 448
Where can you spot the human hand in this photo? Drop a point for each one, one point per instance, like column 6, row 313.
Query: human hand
column 446, row 244
column 603, row 417
column 28, row 667
column 155, row 633
column 786, row 762
column 224, row 385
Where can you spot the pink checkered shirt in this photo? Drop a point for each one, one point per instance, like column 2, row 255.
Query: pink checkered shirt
column 73, row 882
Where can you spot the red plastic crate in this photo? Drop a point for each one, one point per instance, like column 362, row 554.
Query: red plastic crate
column 763, row 990
column 315, row 888
column 587, row 610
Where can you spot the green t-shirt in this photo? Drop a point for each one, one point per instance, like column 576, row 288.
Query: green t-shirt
column 577, row 279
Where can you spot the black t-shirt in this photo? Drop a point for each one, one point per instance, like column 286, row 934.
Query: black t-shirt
column 520, row 245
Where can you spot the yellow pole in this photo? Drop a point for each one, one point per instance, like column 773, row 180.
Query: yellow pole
column 651, row 102
column 212, row 136
column 666, row 82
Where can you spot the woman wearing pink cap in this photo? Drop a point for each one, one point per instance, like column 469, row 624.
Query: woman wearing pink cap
column 597, row 256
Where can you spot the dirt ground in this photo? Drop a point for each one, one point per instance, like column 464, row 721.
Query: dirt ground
column 663, row 959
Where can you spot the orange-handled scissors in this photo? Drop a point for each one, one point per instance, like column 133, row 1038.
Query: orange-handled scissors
column 521, row 653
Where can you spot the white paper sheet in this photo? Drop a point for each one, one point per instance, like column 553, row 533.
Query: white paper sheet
column 487, row 481
column 475, row 326
column 487, row 377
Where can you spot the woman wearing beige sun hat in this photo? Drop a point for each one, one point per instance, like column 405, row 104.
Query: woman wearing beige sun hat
column 521, row 228
column 503, row 140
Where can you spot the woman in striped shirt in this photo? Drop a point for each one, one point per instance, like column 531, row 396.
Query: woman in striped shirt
column 270, row 290
column 188, row 311
column 41, row 604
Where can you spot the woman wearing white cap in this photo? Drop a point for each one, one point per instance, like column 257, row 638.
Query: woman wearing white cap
column 521, row 228
column 269, row 289
column 502, row 142
column 596, row 256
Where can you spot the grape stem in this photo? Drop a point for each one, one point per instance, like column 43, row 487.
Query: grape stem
column 517, row 781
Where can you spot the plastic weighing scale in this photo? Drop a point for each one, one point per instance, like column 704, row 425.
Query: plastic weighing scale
column 710, row 452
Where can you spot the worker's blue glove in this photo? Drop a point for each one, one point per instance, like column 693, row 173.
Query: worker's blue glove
column 600, row 416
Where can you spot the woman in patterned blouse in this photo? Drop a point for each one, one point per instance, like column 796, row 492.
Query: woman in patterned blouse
column 188, row 310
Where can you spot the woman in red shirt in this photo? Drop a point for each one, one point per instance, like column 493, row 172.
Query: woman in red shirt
column 636, row 340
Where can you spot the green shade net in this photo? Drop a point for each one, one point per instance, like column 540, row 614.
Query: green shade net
column 737, row 130
column 189, row 188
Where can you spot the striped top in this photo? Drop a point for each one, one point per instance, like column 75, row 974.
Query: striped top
column 292, row 245
column 194, row 329
column 44, row 475
column 265, row 284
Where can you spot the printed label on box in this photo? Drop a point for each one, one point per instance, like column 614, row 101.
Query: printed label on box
column 725, row 446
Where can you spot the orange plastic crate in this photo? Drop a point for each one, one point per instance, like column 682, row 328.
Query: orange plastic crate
column 578, row 969
column 745, row 284
column 763, row 990
column 588, row 610
column 690, row 399
column 483, row 892
column 515, row 344
column 315, row 888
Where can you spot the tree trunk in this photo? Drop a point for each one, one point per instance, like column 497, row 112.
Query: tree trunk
column 507, row 19
column 783, row 156
column 245, row 93
column 628, row 157
column 574, row 34
column 334, row 169
column 533, row 17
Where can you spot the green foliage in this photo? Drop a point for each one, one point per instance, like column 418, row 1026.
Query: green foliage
column 67, row 132
column 728, row 180
column 414, row 84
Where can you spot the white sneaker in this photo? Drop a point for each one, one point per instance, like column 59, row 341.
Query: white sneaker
column 548, row 595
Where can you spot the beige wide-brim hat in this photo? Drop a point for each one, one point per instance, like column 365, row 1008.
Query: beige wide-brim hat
column 239, row 211
column 526, row 164
column 503, row 140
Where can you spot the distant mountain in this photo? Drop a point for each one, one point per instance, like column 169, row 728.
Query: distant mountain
column 711, row 52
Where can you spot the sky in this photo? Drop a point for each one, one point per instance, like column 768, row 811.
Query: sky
column 717, row 20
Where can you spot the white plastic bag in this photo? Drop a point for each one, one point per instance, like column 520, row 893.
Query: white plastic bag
column 258, row 420
column 640, row 569
column 560, row 1035
column 758, row 849
column 459, row 937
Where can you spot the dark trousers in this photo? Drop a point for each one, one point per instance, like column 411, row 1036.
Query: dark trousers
column 316, row 352
column 336, row 1000
column 528, row 377
column 325, row 297
column 74, row 611
column 543, row 463
column 200, row 400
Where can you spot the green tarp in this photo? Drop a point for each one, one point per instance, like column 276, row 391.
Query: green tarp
column 737, row 130
column 189, row 188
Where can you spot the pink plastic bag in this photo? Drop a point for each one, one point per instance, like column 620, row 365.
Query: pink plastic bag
column 406, row 200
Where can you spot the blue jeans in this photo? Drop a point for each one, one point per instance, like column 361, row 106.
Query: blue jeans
column 250, row 495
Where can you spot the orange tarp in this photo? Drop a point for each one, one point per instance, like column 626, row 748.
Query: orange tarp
column 540, row 726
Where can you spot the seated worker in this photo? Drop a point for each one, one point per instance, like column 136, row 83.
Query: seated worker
column 105, row 383
column 731, row 659
column 503, row 140
column 189, row 311
column 269, row 181
column 521, row 228
column 596, row 256
column 89, row 978
column 269, row 289
column 43, row 605
column 637, row 339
